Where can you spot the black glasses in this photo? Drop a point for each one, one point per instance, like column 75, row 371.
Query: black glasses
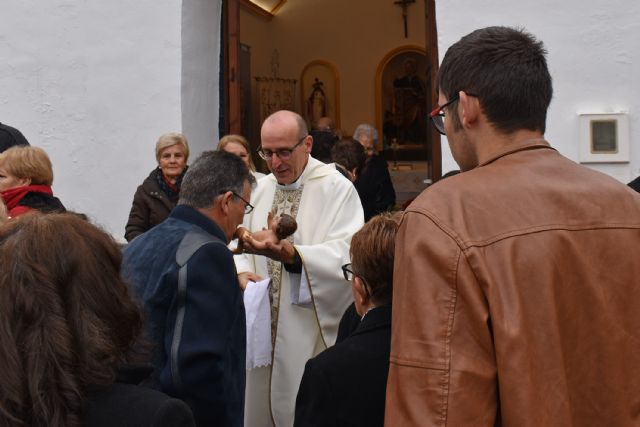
column 248, row 207
column 347, row 272
column 437, row 115
column 349, row 275
column 284, row 154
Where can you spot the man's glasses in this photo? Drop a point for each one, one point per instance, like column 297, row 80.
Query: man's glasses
column 248, row 207
column 437, row 115
column 284, row 154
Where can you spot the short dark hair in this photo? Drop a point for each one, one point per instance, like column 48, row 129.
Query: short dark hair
column 372, row 253
column 506, row 68
column 349, row 154
column 68, row 318
column 213, row 173
column 323, row 142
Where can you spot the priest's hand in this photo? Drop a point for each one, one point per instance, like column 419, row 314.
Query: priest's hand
column 266, row 243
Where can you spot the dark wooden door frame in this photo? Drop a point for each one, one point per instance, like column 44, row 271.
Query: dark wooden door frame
column 433, row 137
column 231, row 29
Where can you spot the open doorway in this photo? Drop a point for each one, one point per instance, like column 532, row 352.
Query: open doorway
column 352, row 39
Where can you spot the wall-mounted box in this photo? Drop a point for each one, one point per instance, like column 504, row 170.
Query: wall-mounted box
column 604, row 138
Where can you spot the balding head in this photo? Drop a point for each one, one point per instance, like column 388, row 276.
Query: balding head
column 285, row 132
column 285, row 119
column 325, row 124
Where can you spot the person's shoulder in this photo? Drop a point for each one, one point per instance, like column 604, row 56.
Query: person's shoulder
column 160, row 238
column 150, row 183
column 334, row 358
column 128, row 404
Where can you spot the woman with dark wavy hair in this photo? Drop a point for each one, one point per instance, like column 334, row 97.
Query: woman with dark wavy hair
column 67, row 324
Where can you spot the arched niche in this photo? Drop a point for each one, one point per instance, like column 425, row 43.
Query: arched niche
column 401, row 104
column 320, row 77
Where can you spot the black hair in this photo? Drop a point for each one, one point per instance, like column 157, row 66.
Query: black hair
column 506, row 68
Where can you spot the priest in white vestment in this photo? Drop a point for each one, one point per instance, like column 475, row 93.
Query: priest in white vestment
column 308, row 293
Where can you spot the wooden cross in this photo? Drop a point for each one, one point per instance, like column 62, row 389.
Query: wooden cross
column 404, row 4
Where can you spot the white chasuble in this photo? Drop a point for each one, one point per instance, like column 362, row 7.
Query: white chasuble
column 306, row 307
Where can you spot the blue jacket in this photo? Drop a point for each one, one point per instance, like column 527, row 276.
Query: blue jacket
column 199, row 334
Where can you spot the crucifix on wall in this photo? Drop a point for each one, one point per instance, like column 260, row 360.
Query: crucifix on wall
column 404, row 4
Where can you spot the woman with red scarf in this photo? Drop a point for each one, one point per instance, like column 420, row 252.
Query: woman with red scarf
column 26, row 176
column 159, row 192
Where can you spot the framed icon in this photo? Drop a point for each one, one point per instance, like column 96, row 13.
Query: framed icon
column 604, row 138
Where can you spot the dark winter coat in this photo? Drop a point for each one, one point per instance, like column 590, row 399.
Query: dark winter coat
column 151, row 205
column 375, row 187
column 345, row 385
column 126, row 403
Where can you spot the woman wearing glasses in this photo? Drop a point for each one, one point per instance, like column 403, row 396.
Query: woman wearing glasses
column 346, row 384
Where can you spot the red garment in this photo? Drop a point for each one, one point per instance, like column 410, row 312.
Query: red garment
column 173, row 187
column 13, row 196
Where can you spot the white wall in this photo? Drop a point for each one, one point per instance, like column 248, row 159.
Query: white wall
column 201, row 21
column 593, row 59
column 95, row 83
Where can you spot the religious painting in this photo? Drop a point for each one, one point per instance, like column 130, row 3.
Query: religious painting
column 320, row 88
column 604, row 138
column 402, row 103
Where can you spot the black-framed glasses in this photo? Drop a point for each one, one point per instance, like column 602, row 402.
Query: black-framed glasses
column 248, row 207
column 347, row 272
column 284, row 154
column 437, row 115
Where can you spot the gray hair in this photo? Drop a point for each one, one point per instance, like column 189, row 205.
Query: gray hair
column 169, row 140
column 213, row 173
column 366, row 130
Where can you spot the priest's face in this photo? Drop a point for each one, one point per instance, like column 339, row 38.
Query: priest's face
column 284, row 149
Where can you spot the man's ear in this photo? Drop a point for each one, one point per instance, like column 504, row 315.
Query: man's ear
column 361, row 291
column 225, row 200
column 469, row 109
column 309, row 143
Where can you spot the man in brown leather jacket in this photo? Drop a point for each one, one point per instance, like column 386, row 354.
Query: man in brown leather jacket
column 517, row 282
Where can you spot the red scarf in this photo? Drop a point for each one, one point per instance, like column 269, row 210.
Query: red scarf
column 13, row 196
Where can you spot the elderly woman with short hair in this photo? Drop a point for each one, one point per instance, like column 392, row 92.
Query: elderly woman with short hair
column 374, row 182
column 159, row 193
column 26, row 177
column 345, row 385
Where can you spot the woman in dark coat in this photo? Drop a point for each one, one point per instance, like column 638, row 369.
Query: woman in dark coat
column 374, row 181
column 26, row 177
column 68, row 327
column 159, row 193
column 345, row 385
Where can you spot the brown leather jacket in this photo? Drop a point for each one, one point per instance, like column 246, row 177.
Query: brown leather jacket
column 517, row 298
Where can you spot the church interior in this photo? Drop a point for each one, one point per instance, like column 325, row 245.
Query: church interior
column 366, row 73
